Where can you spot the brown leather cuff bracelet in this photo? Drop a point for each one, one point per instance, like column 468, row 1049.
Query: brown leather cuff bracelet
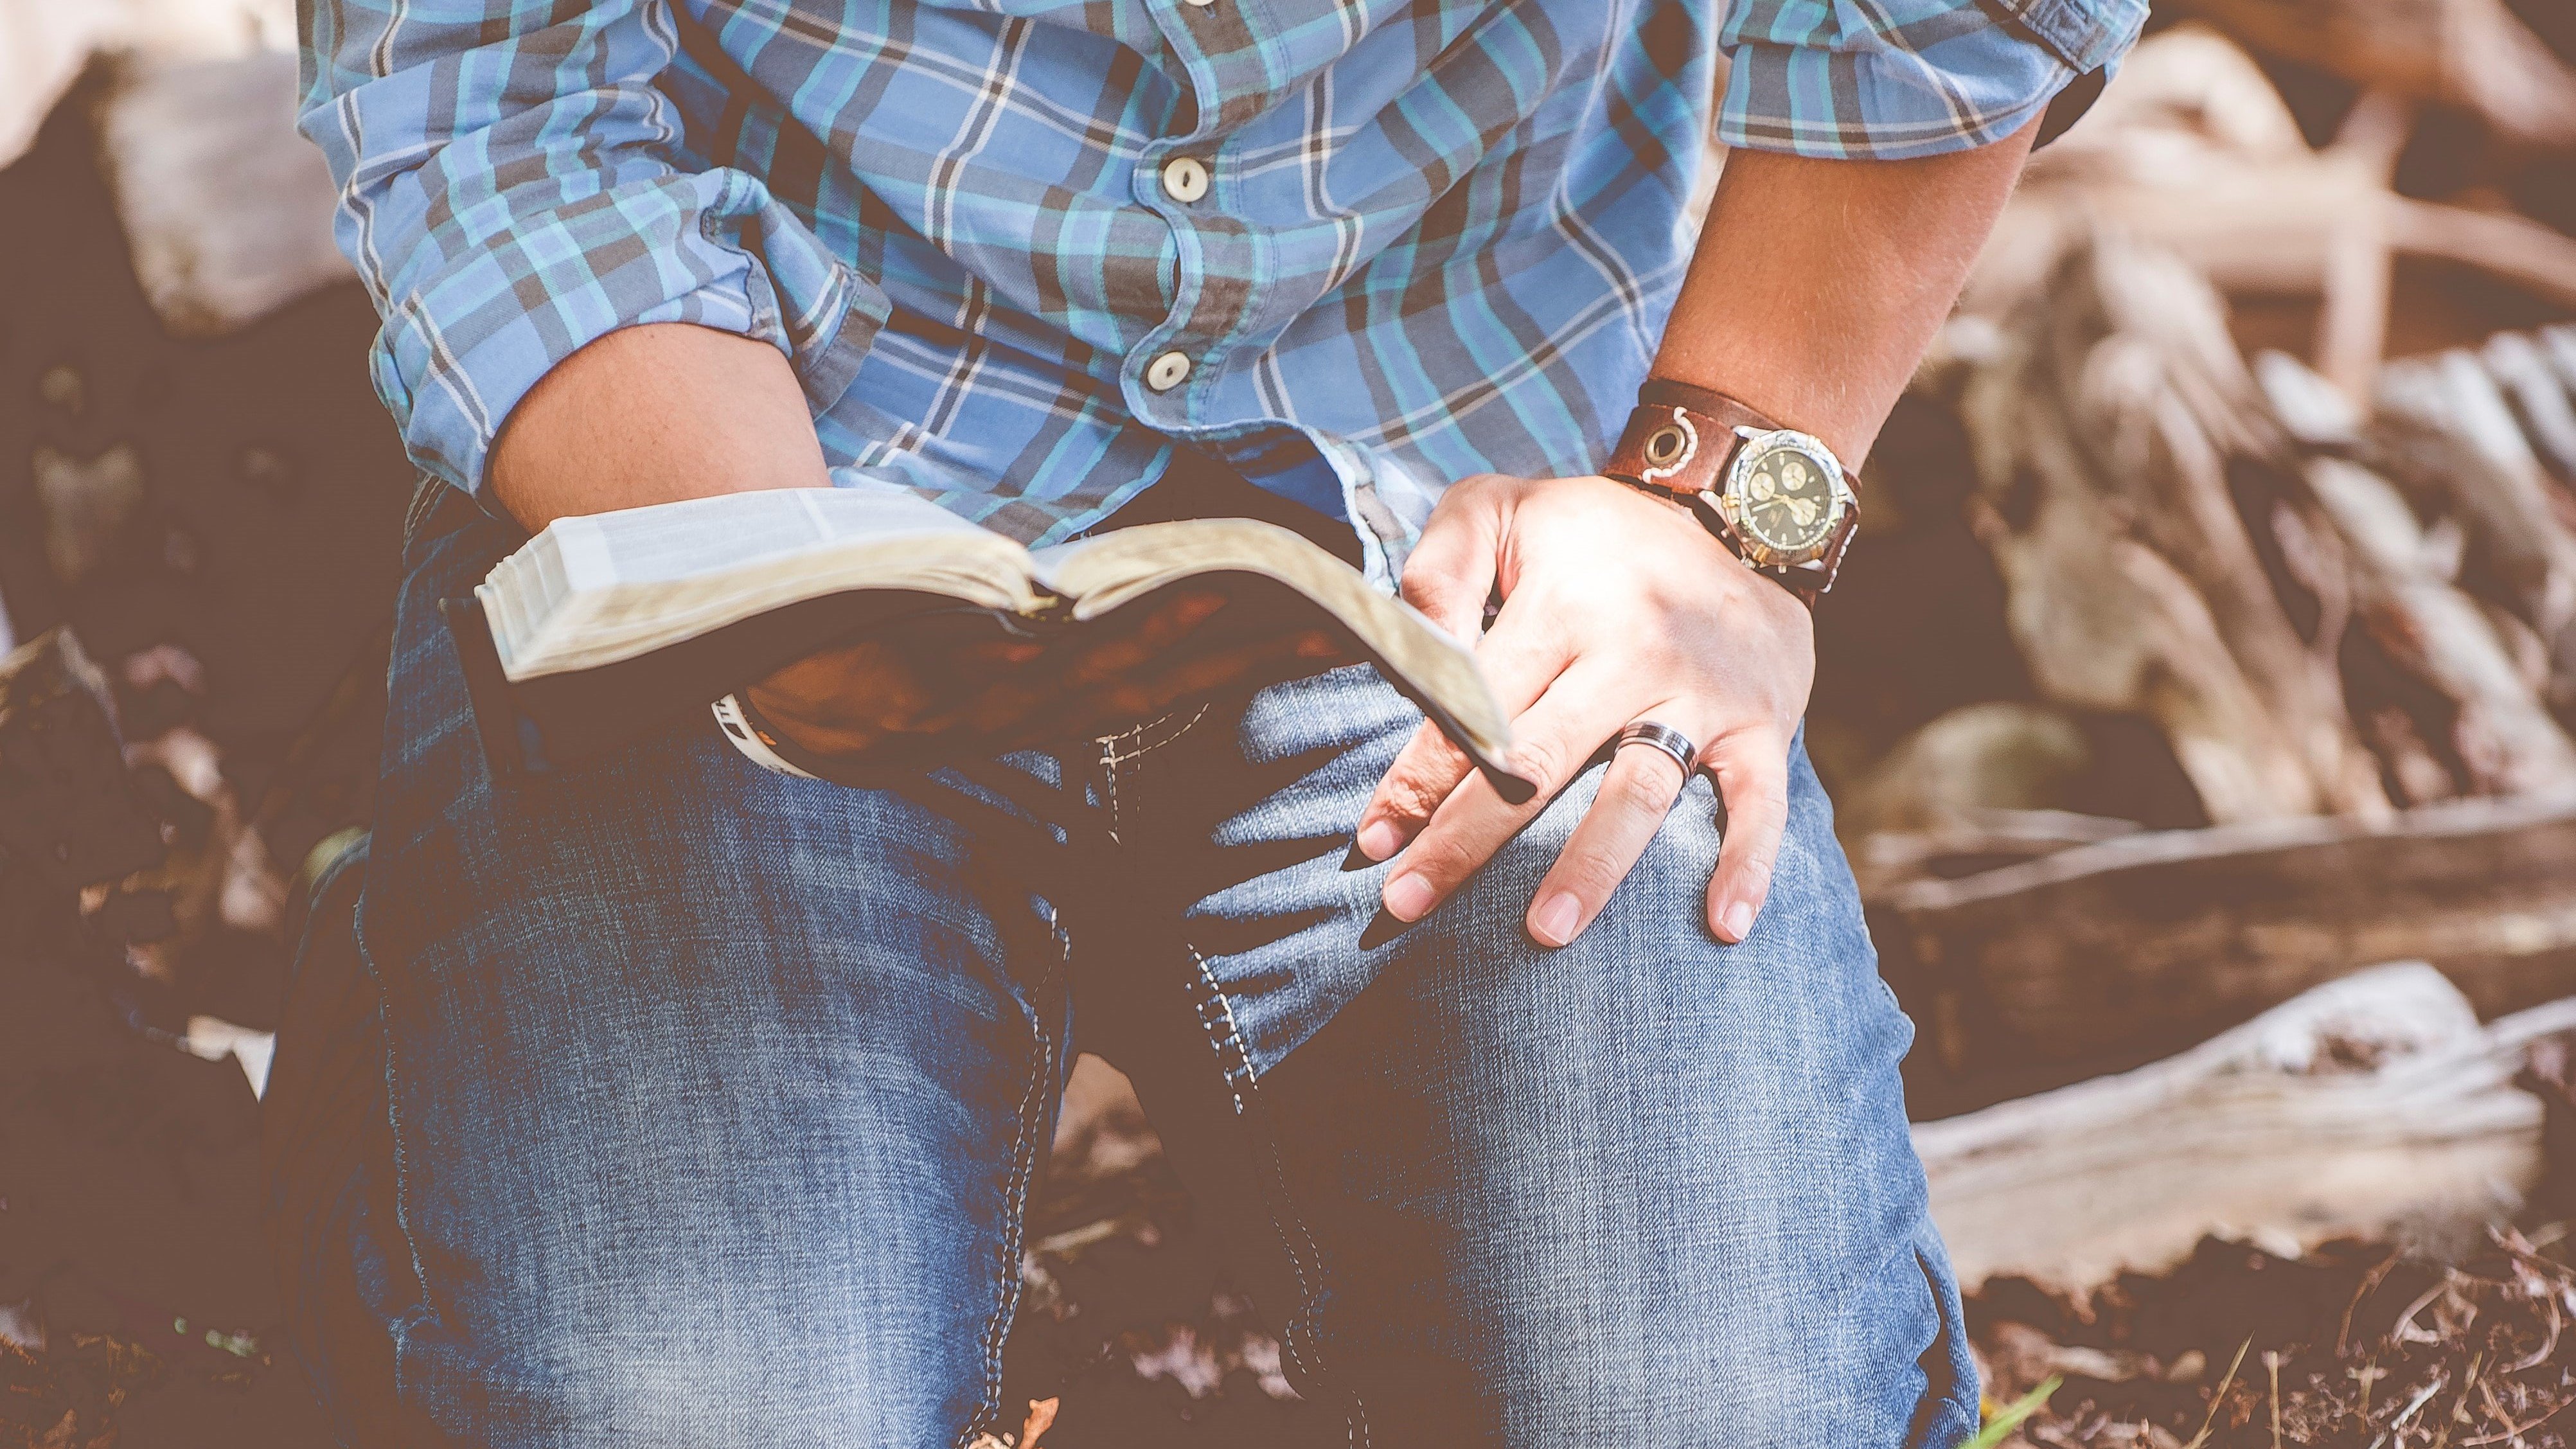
column 1679, row 438
column 1775, row 496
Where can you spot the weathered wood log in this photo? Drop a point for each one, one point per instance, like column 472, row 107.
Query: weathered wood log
column 68, row 811
column 227, row 211
column 2522, row 367
column 2192, row 151
column 2495, row 732
column 2352, row 315
column 2270, row 229
column 1999, row 755
column 2168, row 936
column 1981, row 786
column 2371, row 1106
column 1972, row 841
column 2451, row 437
column 42, row 50
column 2105, row 623
column 44, row 45
column 2474, row 54
column 2118, row 441
column 2559, row 342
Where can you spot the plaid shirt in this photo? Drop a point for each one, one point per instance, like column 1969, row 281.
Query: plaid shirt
column 1420, row 238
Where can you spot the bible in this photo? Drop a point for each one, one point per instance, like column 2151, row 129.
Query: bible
column 604, row 627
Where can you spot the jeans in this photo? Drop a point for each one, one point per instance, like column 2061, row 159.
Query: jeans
column 712, row 1099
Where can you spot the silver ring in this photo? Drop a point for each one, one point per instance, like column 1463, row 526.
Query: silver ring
column 1663, row 737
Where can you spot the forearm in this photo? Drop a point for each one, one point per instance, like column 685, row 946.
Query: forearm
column 652, row 414
column 1818, row 284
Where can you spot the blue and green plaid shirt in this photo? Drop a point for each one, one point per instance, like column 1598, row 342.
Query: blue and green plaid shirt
column 1423, row 238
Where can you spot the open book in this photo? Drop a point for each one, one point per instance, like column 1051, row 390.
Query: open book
column 604, row 627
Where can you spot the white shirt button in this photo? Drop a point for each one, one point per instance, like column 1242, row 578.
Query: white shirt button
column 1185, row 178
column 1167, row 372
column 1202, row 4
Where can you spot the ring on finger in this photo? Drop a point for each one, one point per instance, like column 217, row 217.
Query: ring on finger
column 1662, row 737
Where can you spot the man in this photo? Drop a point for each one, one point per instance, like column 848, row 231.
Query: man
column 716, row 1096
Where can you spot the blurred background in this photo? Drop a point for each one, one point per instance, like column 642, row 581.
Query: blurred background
column 2200, row 706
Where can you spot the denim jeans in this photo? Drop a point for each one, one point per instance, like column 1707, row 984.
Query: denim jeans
column 713, row 1099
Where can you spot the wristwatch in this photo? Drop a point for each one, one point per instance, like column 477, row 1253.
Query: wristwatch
column 1775, row 496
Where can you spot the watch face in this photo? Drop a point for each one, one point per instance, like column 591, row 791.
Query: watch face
column 1786, row 500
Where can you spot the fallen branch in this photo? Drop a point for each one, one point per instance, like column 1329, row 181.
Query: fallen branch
column 2169, row 935
column 2373, row 1105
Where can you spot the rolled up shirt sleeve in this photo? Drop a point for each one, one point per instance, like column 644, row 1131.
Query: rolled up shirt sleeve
column 514, row 185
column 1891, row 79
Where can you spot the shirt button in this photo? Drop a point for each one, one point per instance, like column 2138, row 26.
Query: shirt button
column 1167, row 372
column 1185, row 179
column 1202, row 4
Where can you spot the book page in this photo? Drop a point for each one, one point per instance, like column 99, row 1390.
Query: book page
column 695, row 537
column 595, row 590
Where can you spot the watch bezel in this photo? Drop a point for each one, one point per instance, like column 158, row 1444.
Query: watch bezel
column 1729, row 497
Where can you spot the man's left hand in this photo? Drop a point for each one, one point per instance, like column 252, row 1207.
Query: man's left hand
column 1616, row 607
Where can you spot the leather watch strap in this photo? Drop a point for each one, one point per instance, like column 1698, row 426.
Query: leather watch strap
column 1706, row 401
column 1678, row 442
column 1679, row 437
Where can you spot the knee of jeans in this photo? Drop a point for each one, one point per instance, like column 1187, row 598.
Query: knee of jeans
column 688, row 1382
column 1882, row 1365
column 1901, row 1360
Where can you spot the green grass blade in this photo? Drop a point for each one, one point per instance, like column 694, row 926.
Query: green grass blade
column 2000, row 1427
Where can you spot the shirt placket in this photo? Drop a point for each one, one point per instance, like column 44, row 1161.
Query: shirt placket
column 1181, row 178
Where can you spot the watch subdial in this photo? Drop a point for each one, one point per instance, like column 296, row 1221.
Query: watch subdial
column 1788, row 502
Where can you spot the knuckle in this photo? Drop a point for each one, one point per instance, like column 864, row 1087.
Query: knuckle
column 1542, row 760
column 1755, row 869
column 1442, row 860
column 1413, row 795
column 1647, row 791
column 1591, row 874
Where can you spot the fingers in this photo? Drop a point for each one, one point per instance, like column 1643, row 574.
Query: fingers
column 1636, row 792
column 1521, row 659
column 841, row 700
column 1752, row 770
column 1122, row 704
column 1555, row 737
column 1087, row 664
column 1448, row 576
column 1161, row 629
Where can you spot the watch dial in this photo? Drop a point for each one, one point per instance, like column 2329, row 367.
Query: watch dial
column 1788, row 502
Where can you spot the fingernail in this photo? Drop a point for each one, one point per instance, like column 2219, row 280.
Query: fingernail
column 1358, row 859
column 1739, row 921
column 1379, row 840
column 1407, row 897
column 1553, row 923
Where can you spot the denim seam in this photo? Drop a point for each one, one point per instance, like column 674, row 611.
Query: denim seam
column 1112, row 760
column 1109, row 785
column 1114, row 757
column 400, row 1329
column 1015, row 1201
column 1245, row 1082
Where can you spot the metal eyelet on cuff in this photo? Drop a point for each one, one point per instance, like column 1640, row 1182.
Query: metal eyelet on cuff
column 1666, row 446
